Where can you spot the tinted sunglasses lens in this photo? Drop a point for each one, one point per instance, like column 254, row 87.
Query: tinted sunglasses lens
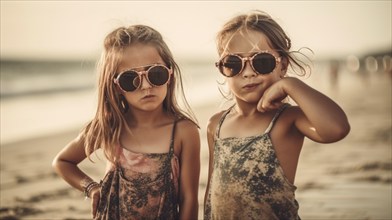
column 264, row 63
column 230, row 65
column 158, row 75
column 129, row 81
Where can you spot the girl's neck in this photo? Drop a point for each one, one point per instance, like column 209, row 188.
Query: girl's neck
column 137, row 118
column 245, row 109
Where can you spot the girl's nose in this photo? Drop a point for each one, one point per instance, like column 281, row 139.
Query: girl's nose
column 248, row 70
column 144, row 82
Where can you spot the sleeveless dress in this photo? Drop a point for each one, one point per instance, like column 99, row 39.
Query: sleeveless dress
column 141, row 186
column 247, row 181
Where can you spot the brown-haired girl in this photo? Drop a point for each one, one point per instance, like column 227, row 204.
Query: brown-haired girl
column 152, row 146
column 254, row 145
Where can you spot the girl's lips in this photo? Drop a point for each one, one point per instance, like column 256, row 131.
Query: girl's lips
column 250, row 86
column 148, row 96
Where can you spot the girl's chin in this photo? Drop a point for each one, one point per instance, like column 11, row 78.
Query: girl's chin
column 147, row 106
column 251, row 100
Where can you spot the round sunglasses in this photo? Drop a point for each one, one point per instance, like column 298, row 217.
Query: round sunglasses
column 262, row 63
column 131, row 80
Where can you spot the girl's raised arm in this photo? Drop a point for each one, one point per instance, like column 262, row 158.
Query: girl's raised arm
column 318, row 117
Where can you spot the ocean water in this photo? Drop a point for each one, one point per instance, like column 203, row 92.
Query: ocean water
column 39, row 98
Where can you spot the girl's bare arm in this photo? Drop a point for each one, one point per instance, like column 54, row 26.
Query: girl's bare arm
column 65, row 164
column 66, row 161
column 318, row 117
column 190, row 170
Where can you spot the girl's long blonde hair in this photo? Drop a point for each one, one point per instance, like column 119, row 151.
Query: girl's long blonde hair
column 104, row 130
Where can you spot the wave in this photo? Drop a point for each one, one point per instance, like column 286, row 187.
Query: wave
column 26, row 78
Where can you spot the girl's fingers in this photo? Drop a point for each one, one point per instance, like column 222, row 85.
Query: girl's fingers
column 260, row 105
column 271, row 99
column 275, row 105
column 264, row 105
column 94, row 203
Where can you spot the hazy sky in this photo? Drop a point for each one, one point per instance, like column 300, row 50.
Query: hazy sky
column 76, row 29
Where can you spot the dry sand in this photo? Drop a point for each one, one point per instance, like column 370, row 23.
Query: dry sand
column 350, row 179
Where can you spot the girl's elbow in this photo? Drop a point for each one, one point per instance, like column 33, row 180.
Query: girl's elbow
column 346, row 130
column 339, row 132
column 55, row 163
column 343, row 130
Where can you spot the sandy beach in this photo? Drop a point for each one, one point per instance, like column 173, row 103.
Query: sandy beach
column 350, row 179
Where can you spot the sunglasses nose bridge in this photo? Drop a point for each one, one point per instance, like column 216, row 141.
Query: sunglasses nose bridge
column 144, row 82
column 245, row 71
column 246, row 58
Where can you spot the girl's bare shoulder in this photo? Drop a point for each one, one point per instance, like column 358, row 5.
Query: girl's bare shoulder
column 213, row 121
column 187, row 137
column 186, row 127
column 292, row 112
column 288, row 117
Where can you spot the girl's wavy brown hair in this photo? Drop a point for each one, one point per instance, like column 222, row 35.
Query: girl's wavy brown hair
column 103, row 131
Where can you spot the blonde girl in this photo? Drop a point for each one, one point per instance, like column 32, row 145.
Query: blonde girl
column 151, row 145
column 254, row 145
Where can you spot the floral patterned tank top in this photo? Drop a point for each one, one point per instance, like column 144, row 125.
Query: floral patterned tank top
column 141, row 186
column 247, row 181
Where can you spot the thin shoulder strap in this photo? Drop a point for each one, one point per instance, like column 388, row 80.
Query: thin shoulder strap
column 169, row 186
column 217, row 132
column 276, row 116
column 171, row 150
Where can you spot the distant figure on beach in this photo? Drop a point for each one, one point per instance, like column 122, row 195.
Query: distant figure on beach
column 334, row 73
column 152, row 146
column 254, row 145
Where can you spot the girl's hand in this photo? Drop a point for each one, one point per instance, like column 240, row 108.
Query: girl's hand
column 95, row 196
column 272, row 97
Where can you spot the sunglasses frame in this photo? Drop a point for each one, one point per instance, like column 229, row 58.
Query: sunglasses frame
column 244, row 60
column 140, row 75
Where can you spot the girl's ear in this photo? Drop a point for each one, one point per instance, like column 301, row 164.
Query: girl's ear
column 170, row 77
column 118, row 90
column 284, row 65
